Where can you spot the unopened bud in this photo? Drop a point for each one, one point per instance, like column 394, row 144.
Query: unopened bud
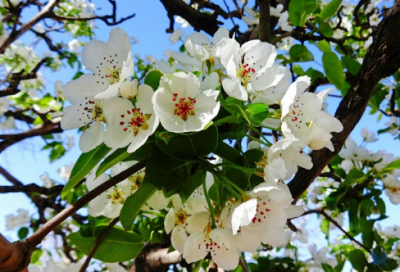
column 314, row 199
column 317, row 190
column 129, row 89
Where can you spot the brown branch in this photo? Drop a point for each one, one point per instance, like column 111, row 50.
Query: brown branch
column 382, row 60
column 10, row 177
column 31, row 188
column 14, row 257
column 98, row 242
column 38, row 236
column 264, row 25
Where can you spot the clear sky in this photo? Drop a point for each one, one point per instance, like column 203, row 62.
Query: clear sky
column 26, row 163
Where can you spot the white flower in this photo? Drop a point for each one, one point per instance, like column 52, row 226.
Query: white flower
column 47, row 181
column 58, row 89
column 252, row 63
column 218, row 242
column 4, row 104
column 182, row 21
column 8, row 124
column 65, row 172
column 276, row 12
column 320, row 256
column 253, row 19
column 392, row 189
column 303, row 117
column 111, row 63
column 284, row 23
column 369, row 136
column 128, row 123
column 74, row 45
column 176, row 35
column 20, row 220
column 182, row 106
column 394, row 124
column 85, row 110
column 285, row 44
column 129, row 89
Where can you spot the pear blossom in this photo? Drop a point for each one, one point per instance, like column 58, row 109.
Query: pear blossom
column 65, row 172
column 392, row 189
column 130, row 124
column 8, row 124
column 303, row 117
column 253, row 63
column 111, row 63
column 85, row 110
column 320, row 257
column 369, row 136
column 129, row 89
column 15, row 221
column 276, row 12
column 394, row 125
column 4, row 104
column 58, row 89
column 182, row 21
column 182, row 106
column 283, row 22
column 74, row 45
column 253, row 18
column 176, row 35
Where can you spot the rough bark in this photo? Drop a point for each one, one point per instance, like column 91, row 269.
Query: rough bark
column 381, row 61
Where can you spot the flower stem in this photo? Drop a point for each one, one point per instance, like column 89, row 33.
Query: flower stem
column 210, row 206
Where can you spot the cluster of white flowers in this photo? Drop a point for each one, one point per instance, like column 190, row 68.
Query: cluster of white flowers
column 20, row 220
column 186, row 101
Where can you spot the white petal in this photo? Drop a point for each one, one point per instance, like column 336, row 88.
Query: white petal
column 197, row 222
column 92, row 137
column 221, row 33
column 91, row 84
column 210, row 82
column 94, row 52
column 234, row 88
column 195, row 248
column 293, row 211
column 243, row 214
column 116, row 137
column 178, row 238
column 119, row 41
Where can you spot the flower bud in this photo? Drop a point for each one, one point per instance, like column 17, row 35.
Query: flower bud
column 317, row 190
column 129, row 89
column 314, row 199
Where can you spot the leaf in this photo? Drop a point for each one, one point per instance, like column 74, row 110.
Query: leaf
column 111, row 160
column 228, row 153
column 153, row 79
column 327, row 267
column 351, row 65
column 36, row 256
column 381, row 259
column 358, row 260
column 353, row 177
column 166, row 136
column 323, row 27
column 324, row 46
column 166, row 172
column 22, row 233
column 325, row 226
column 368, row 234
column 314, row 74
column 256, row 113
column 300, row 10
column 133, row 204
column 330, row 9
column 390, row 166
column 333, row 69
column 300, row 53
column 85, row 163
column 195, row 181
column 185, row 147
column 117, row 246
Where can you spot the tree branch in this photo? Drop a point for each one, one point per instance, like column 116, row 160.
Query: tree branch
column 264, row 25
column 382, row 60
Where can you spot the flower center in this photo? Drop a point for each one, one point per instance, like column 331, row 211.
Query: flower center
column 184, row 107
column 112, row 74
column 136, row 180
column 244, row 73
column 117, row 196
column 95, row 109
column 137, row 121
column 180, row 217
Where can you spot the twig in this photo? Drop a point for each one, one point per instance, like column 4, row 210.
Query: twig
column 10, row 177
column 96, row 245
column 39, row 235
column 264, row 25
column 284, row 35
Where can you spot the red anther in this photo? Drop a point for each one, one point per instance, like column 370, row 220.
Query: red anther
column 264, row 203
column 138, row 109
column 254, row 220
column 268, row 210
column 293, row 112
column 261, row 213
column 189, row 98
column 252, row 69
column 175, row 94
column 86, row 108
column 301, row 152
column 194, row 101
column 174, row 99
column 176, row 105
column 122, row 116
column 294, row 119
column 128, row 112
column 121, row 123
column 125, row 129
column 114, row 66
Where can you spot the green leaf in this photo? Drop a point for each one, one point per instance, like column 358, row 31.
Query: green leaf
column 391, row 166
column 358, row 260
column 256, row 113
column 314, row 74
column 327, row 267
column 143, row 152
column 324, row 46
column 300, row 53
column 117, row 156
column 330, row 9
column 195, row 181
column 22, row 233
column 134, row 203
column 300, row 11
column 117, row 246
column 323, row 27
column 85, row 163
column 36, row 256
column 298, row 70
column 368, row 234
column 381, row 259
column 333, row 69
column 185, row 147
column 325, row 226
column 351, row 65
column 228, row 153
column 167, row 172
column 166, row 136
column 353, row 177
column 153, row 79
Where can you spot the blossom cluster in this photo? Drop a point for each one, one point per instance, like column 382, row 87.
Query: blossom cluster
column 115, row 108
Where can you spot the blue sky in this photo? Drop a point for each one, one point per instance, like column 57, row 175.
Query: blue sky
column 24, row 160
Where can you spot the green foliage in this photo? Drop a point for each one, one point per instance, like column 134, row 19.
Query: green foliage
column 85, row 163
column 330, row 9
column 23, row 233
column 300, row 53
column 358, row 260
column 117, row 246
column 351, row 65
column 153, row 79
column 333, row 69
column 323, row 27
column 381, row 259
column 300, row 11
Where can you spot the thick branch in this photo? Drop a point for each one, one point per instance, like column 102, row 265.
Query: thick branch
column 381, row 61
column 14, row 257
column 264, row 25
